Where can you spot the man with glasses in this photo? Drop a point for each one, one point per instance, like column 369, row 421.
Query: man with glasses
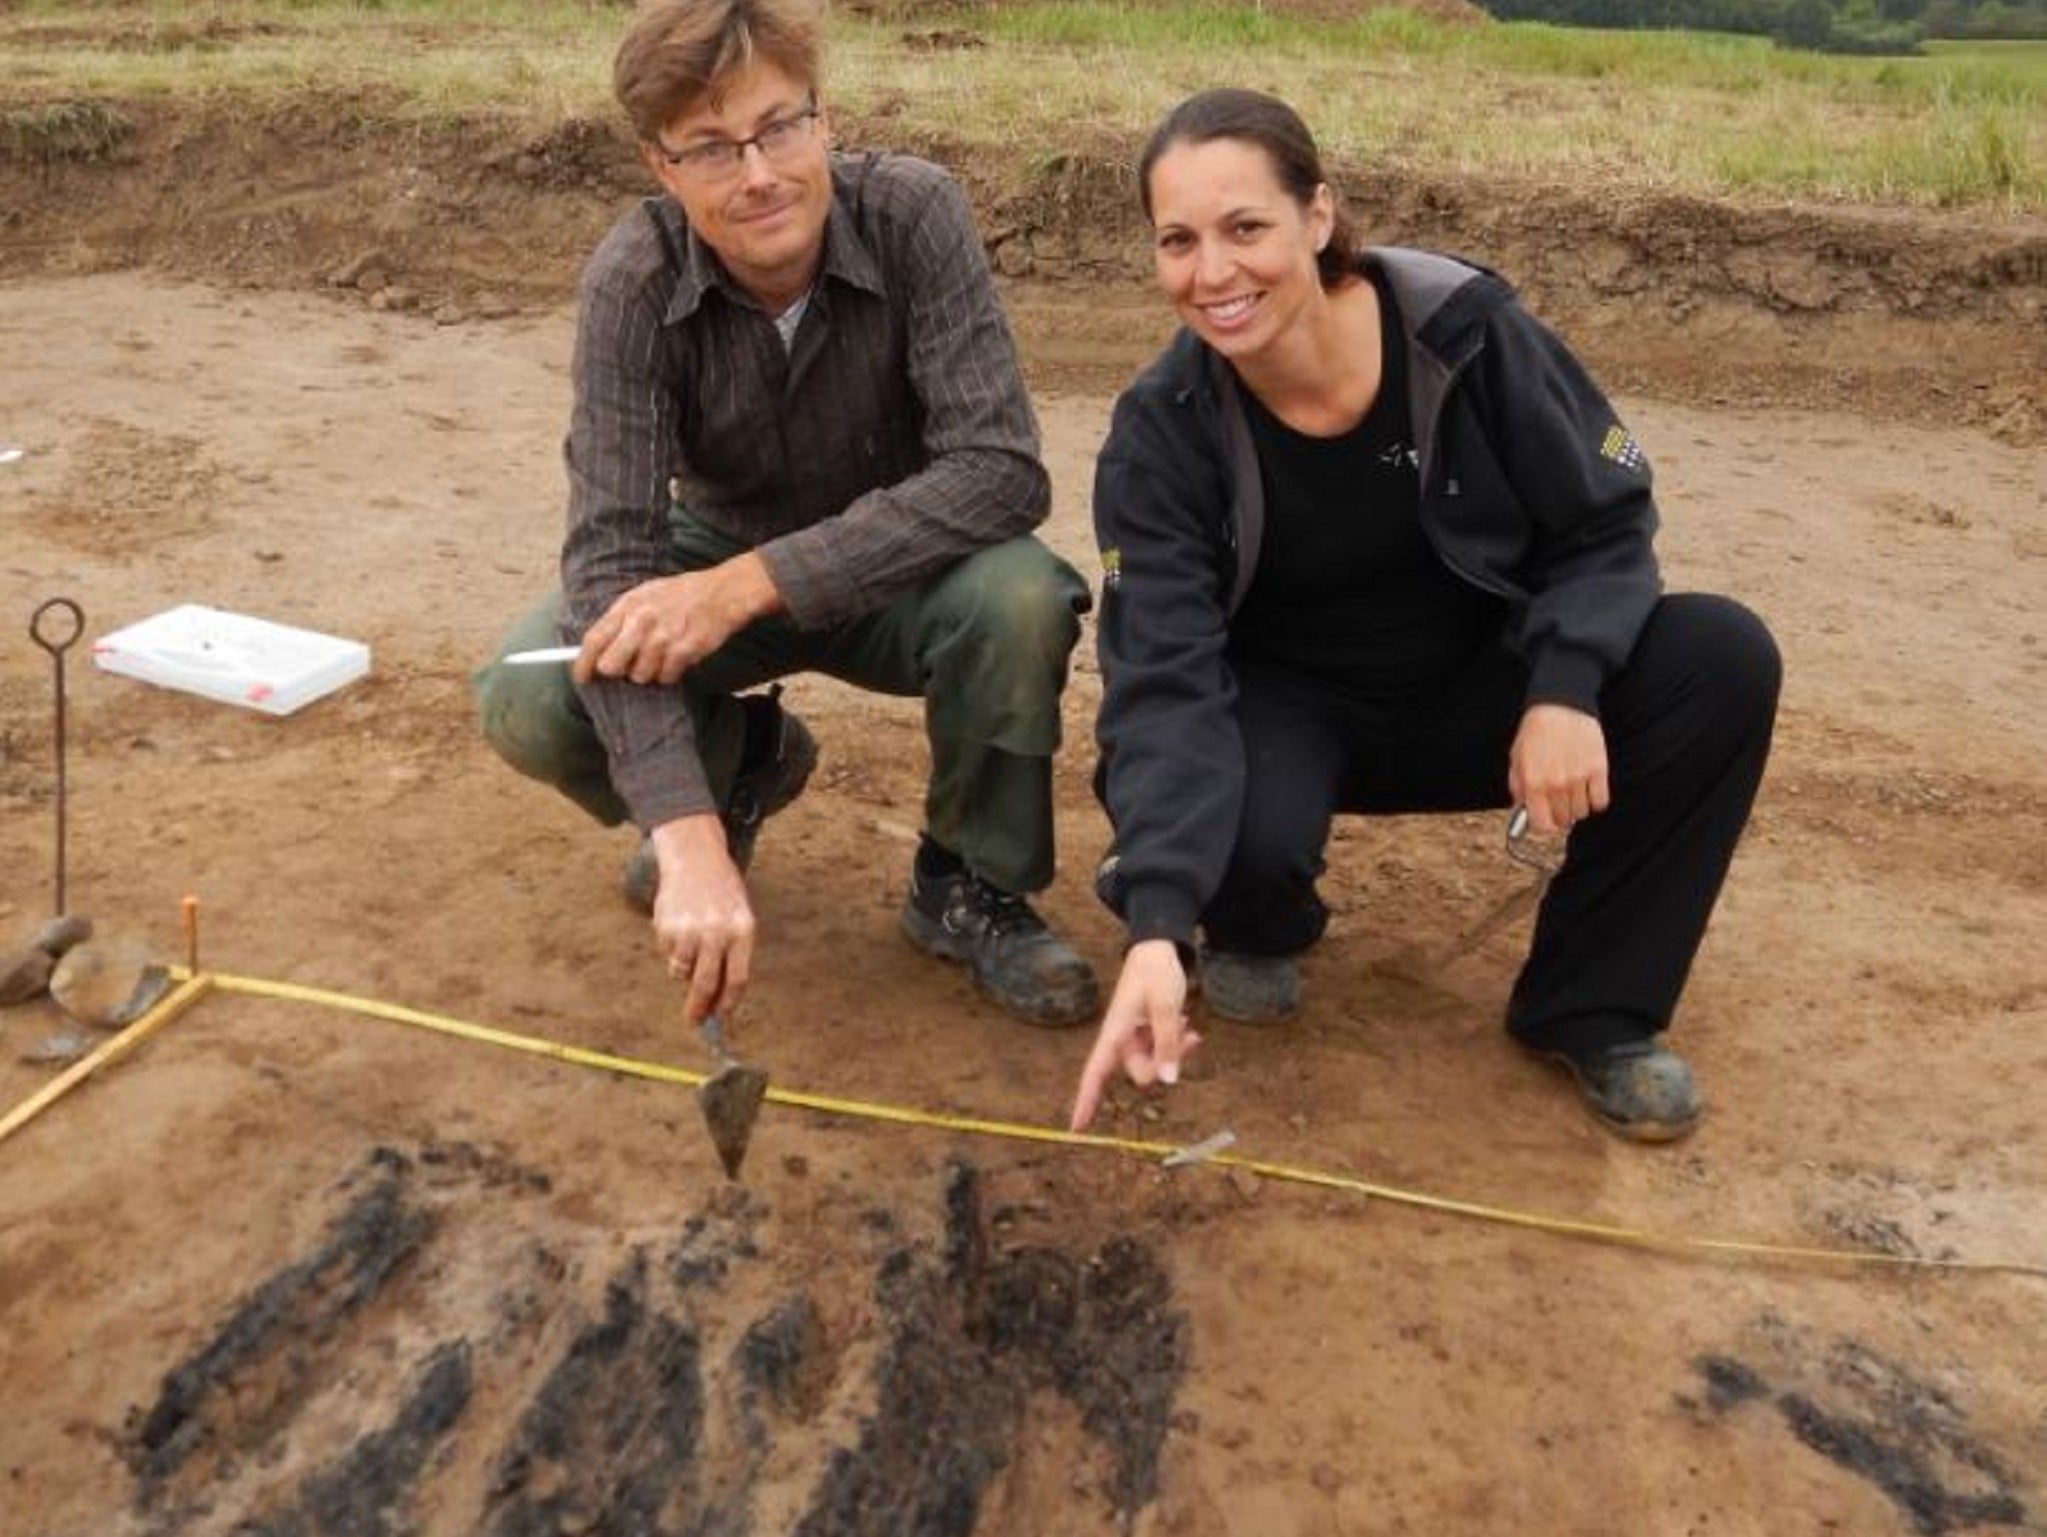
column 800, row 442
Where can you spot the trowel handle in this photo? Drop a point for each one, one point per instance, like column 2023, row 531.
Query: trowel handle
column 714, row 1037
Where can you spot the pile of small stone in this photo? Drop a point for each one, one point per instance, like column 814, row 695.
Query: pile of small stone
column 104, row 983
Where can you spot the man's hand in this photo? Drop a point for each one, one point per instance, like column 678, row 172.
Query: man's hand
column 1145, row 1029
column 1557, row 767
column 703, row 923
column 657, row 631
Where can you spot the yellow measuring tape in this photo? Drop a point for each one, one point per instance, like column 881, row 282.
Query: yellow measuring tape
column 195, row 985
column 166, row 1009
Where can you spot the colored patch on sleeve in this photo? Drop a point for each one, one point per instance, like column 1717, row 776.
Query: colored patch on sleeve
column 1620, row 446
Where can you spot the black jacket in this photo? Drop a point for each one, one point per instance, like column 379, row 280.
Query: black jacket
column 1530, row 488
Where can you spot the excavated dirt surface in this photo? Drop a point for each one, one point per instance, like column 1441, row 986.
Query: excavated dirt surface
column 291, row 1270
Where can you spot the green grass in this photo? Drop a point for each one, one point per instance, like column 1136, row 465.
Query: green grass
column 1964, row 126
column 417, row 59
column 63, row 130
column 2024, row 53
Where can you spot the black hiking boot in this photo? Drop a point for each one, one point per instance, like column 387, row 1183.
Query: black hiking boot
column 1636, row 1089
column 1030, row 971
column 1250, row 989
column 774, row 767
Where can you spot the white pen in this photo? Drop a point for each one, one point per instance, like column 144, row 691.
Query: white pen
column 544, row 654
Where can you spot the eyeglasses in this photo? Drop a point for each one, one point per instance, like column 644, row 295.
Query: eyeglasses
column 715, row 159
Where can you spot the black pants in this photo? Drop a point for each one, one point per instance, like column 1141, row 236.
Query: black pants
column 1687, row 723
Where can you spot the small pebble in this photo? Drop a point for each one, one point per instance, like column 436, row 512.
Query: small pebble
column 62, row 934
column 64, row 1047
column 350, row 272
column 25, row 974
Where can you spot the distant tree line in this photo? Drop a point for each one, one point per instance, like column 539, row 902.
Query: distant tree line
column 1830, row 26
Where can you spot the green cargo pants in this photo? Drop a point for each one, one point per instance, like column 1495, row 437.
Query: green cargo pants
column 985, row 645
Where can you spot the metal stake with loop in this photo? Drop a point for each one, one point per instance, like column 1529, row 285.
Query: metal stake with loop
column 46, row 635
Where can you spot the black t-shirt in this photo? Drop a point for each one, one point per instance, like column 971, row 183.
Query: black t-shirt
column 1348, row 588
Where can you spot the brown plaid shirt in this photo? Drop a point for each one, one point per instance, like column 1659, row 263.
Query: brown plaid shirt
column 890, row 439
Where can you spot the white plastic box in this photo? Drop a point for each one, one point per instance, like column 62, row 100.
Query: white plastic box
column 275, row 668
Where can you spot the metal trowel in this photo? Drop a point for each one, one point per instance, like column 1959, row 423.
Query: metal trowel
column 730, row 1099
column 1415, row 964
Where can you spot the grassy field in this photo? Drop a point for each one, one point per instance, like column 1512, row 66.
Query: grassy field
column 2019, row 53
column 1718, row 115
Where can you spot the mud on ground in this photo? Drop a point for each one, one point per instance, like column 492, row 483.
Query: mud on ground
column 290, row 1270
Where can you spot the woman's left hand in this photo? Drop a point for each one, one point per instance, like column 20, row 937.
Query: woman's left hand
column 1557, row 767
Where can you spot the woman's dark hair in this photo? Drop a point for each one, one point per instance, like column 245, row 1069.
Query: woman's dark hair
column 1252, row 117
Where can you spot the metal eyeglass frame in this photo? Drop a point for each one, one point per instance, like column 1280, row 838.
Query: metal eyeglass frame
column 716, row 159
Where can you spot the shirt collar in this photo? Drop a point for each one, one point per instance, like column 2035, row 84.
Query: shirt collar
column 846, row 255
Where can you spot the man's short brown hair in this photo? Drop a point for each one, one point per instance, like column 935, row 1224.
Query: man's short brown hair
column 678, row 52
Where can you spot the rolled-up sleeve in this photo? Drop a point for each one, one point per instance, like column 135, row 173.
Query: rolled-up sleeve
column 622, row 433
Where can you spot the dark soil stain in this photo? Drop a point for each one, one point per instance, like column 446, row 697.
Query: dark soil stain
column 1728, row 1382
column 368, row 1491
column 941, row 1430
column 1869, row 1415
column 711, row 1242
column 783, row 1360
column 970, row 1344
column 253, row 1376
column 611, row 1438
column 661, row 1409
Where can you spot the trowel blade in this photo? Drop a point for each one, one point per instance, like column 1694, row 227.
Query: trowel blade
column 731, row 1101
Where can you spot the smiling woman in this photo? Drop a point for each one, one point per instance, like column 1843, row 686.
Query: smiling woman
column 1240, row 255
column 1376, row 534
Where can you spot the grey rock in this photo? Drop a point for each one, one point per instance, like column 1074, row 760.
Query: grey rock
column 63, row 933
column 108, row 984
column 24, row 974
column 66, row 1046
